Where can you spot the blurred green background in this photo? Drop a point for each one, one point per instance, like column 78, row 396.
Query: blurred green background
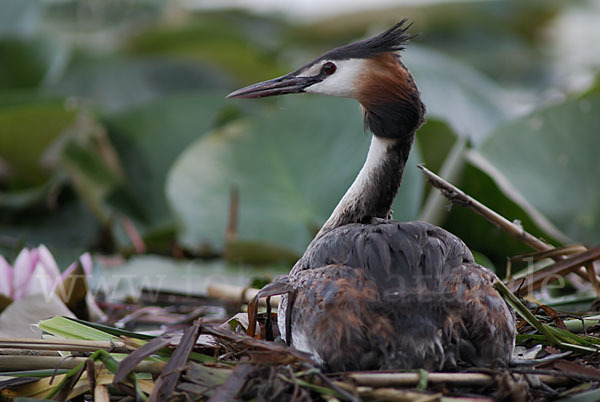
column 116, row 137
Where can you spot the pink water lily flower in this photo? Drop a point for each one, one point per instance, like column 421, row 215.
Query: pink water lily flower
column 35, row 271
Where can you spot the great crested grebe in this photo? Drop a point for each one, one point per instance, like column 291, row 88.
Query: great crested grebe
column 371, row 292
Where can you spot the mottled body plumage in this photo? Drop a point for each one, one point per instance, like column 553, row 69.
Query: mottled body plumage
column 396, row 295
column 370, row 292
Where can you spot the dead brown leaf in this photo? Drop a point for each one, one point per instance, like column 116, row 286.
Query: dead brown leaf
column 128, row 364
column 167, row 381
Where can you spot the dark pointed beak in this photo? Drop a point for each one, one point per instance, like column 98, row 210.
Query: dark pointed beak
column 288, row 84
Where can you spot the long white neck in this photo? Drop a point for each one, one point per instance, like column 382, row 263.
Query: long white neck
column 374, row 189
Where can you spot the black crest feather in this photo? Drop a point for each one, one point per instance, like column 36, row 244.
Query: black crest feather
column 389, row 41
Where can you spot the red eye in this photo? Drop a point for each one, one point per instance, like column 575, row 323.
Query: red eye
column 329, row 68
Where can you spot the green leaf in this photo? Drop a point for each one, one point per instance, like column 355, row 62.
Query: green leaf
column 436, row 139
column 469, row 103
column 547, row 163
column 69, row 329
column 26, row 131
column 150, row 137
column 117, row 332
column 290, row 168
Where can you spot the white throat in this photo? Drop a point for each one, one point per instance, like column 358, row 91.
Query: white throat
column 377, row 153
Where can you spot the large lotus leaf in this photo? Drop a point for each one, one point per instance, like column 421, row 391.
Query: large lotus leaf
column 149, row 138
column 549, row 161
column 436, row 139
column 27, row 129
column 117, row 83
column 290, row 168
column 456, row 93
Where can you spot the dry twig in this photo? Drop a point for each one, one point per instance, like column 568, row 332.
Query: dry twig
column 375, row 379
column 20, row 362
column 535, row 280
column 61, row 344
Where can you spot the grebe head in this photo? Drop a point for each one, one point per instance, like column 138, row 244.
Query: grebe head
column 369, row 71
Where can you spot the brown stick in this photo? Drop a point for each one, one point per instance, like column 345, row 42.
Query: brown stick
column 591, row 276
column 59, row 344
column 555, row 253
column 134, row 235
column 551, row 273
column 20, row 362
column 232, row 220
column 223, row 291
column 410, row 379
column 459, row 197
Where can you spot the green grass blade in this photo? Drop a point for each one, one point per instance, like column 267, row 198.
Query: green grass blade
column 524, row 312
column 112, row 330
column 69, row 329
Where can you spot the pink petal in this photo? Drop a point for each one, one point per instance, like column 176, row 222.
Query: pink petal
column 86, row 263
column 39, row 282
column 68, row 271
column 49, row 262
column 22, row 271
column 6, row 277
